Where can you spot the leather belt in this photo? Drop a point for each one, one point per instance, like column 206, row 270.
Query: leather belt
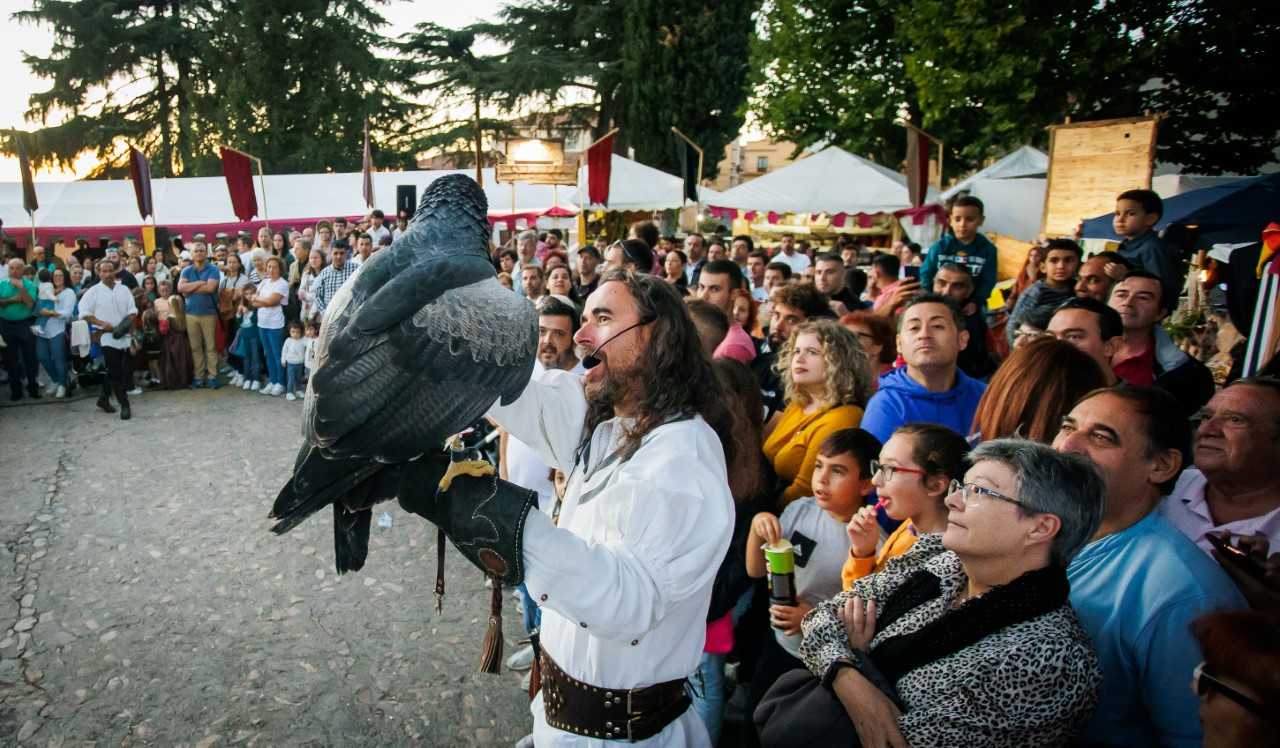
column 609, row 713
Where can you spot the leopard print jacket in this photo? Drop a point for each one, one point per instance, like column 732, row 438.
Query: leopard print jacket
column 1030, row 684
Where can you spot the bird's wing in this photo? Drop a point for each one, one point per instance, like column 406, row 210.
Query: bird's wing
column 395, row 394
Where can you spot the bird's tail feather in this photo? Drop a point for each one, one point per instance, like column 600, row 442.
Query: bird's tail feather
column 316, row 483
column 350, row 538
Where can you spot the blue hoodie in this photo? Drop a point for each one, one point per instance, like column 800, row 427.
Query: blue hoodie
column 901, row 400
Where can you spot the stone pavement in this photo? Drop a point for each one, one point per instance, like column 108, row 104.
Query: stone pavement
column 146, row 602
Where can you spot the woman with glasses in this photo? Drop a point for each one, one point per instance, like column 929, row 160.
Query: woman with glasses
column 912, row 478
column 826, row 383
column 968, row 639
column 1239, row 681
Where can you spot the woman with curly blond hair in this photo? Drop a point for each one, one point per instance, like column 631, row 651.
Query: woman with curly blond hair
column 826, row 382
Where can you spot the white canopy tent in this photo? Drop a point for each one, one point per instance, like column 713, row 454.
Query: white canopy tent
column 1012, row 191
column 634, row 186
column 831, row 181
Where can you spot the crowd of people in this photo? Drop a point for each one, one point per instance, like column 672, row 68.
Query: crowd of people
column 242, row 311
column 1035, row 523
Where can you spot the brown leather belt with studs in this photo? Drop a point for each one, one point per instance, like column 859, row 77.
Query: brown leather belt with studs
column 609, row 713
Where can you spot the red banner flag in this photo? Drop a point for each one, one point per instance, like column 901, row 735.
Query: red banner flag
column 366, row 171
column 237, row 168
column 29, row 201
column 599, row 170
column 917, row 166
column 140, row 173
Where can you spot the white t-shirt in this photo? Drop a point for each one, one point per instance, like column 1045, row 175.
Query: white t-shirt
column 796, row 261
column 376, row 234
column 272, row 317
column 822, row 545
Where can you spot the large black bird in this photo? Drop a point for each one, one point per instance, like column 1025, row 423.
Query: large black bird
column 417, row 345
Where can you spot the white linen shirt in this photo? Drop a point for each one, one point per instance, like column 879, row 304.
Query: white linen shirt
column 624, row 581
column 109, row 305
column 1187, row 510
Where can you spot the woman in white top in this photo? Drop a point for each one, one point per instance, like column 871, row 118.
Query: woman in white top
column 273, row 294
column 51, row 337
column 306, row 286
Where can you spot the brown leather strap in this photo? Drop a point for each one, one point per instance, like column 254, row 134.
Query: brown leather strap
column 607, row 713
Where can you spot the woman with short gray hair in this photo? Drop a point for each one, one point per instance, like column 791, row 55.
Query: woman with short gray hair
column 968, row 638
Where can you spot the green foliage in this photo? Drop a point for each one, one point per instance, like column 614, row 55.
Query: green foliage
column 290, row 82
column 987, row 76
column 296, row 81
column 114, row 70
column 833, row 71
column 684, row 64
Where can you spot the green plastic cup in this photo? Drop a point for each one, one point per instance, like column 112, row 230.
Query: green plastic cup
column 780, row 557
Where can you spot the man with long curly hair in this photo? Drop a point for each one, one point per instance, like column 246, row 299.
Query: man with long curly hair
column 625, row 576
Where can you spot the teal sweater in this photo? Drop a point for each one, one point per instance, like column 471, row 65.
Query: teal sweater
column 979, row 255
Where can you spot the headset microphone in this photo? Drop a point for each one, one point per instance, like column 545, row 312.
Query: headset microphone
column 590, row 361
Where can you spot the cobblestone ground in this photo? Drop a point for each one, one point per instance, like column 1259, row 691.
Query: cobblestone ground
column 146, row 602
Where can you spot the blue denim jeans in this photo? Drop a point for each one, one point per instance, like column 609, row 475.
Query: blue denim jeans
column 272, row 343
column 708, row 684
column 293, row 375
column 52, row 354
column 708, row 694
column 532, row 613
column 252, row 356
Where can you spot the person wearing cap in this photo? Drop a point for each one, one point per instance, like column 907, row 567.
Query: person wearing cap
column 198, row 285
column 122, row 276
column 588, row 278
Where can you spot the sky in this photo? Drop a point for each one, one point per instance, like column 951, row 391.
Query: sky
column 17, row 82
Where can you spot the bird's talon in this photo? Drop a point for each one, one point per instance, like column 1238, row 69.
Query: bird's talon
column 473, row 468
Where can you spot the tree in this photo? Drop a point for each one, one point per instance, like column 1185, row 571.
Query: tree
column 118, row 70
column 443, row 63
column 684, row 64
column 639, row 65
column 992, row 74
column 1217, row 83
column 834, row 72
column 296, row 81
column 987, row 76
column 291, row 82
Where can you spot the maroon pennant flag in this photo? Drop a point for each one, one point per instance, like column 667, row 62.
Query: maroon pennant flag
column 917, row 166
column 140, row 173
column 237, row 168
column 599, row 171
column 366, row 171
column 29, row 201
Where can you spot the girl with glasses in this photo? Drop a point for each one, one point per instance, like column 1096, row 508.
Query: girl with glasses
column 911, row 478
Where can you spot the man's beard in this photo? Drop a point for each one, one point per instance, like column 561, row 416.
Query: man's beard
column 550, row 358
column 614, row 387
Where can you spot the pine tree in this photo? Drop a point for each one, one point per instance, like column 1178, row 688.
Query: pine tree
column 119, row 70
column 685, row 63
column 295, row 82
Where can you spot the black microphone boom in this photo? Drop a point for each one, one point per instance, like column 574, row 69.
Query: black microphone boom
column 590, row 361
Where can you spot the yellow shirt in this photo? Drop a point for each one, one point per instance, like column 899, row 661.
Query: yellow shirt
column 898, row 543
column 793, row 445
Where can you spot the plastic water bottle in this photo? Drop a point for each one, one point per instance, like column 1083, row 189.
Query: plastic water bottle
column 384, row 520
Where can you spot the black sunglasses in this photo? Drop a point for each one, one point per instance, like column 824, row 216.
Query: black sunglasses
column 1205, row 681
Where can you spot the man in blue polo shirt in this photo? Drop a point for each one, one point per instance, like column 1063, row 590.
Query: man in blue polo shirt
column 1139, row 584
column 198, row 284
